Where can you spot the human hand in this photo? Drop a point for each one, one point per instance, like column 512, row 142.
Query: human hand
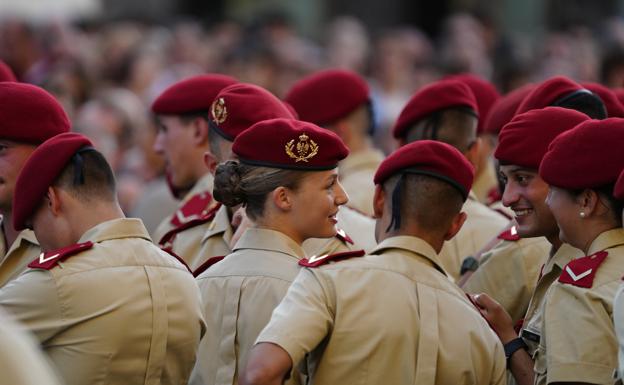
column 497, row 317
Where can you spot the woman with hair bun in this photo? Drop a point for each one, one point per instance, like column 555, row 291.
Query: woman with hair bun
column 286, row 178
column 578, row 343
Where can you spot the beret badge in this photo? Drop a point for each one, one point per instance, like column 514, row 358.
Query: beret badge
column 305, row 148
column 219, row 111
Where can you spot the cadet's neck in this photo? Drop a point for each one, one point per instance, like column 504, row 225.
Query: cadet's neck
column 91, row 215
column 7, row 226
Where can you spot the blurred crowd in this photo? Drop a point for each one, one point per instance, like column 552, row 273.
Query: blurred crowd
column 107, row 75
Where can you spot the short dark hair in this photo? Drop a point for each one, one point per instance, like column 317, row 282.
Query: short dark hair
column 431, row 202
column 584, row 101
column 88, row 177
column 455, row 126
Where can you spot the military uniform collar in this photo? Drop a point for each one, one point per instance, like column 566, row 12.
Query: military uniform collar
column 369, row 158
column 220, row 225
column 412, row 244
column 205, row 183
column 23, row 236
column 116, row 229
column 562, row 256
column 271, row 240
column 472, row 196
column 606, row 240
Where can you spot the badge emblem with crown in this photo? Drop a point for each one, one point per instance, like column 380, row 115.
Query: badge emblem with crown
column 303, row 150
column 218, row 111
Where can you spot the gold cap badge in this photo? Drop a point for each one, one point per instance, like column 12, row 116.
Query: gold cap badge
column 305, row 148
column 219, row 111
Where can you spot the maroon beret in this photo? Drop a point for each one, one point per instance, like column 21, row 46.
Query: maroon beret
column 289, row 144
column 191, row 95
column 548, row 92
column 434, row 97
column 429, row 157
column 485, row 94
column 588, row 156
column 40, row 171
column 524, row 140
column 619, row 94
column 618, row 191
column 240, row 106
column 326, row 96
column 29, row 113
column 612, row 104
column 6, row 73
column 505, row 108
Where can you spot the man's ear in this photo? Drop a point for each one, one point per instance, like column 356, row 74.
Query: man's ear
column 379, row 201
column 53, row 200
column 456, row 225
column 282, row 198
column 200, row 130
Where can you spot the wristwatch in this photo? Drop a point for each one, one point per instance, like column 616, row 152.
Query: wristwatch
column 470, row 263
column 511, row 347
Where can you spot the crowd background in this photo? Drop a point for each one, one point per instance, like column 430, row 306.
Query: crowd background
column 106, row 61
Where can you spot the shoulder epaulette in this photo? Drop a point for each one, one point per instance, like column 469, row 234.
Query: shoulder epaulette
column 204, row 266
column 342, row 235
column 169, row 251
column 49, row 259
column 198, row 210
column 581, row 271
column 324, row 259
column 510, row 234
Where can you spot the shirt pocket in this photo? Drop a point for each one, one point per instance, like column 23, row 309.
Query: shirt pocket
column 539, row 359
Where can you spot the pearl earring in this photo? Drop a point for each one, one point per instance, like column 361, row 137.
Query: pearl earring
column 582, row 214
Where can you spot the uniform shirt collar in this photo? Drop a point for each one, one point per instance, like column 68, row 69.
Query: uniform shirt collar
column 606, row 240
column 412, row 244
column 562, row 256
column 270, row 240
column 116, row 229
column 220, row 225
column 205, row 183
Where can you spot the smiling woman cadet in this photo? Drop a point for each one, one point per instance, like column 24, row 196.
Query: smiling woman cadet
column 581, row 167
column 286, row 178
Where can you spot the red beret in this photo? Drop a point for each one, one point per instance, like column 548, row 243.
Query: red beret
column 289, row 144
column 6, row 73
column 619, row 94
column 429, row 157
column 29, row 113
column 618, row 192
column 524, row 140
column 588, row 156
column 326, row 96
column 240, row 106
column 40, row 171
column 485, row 94
column 608, row 97
column 548, row 92
column 434, row 97
column 191, row 95
column 504, row 109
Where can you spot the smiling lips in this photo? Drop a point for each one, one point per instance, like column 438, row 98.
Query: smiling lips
column 522, row 212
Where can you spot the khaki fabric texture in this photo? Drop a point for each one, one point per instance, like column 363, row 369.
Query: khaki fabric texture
column 14, row 260
column 357, row 172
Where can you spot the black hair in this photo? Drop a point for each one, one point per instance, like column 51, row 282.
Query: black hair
column 584, row 101
column 88, row 176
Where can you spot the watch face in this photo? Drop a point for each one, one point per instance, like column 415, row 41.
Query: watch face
column 469, row 264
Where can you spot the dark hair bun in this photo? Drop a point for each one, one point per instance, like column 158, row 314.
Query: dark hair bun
column 227, row 184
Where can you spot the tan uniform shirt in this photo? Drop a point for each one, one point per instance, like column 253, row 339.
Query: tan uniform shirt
column 618, row 321
column 15, row 260
column 485, row 182
column 216, row 240
column 356, row 176
column 509, row 273
column 239, row 294
column 578, row 340
column 121, row 312
column 21, row 361
column 482, row 224
column 361, row 322
column 187, row 242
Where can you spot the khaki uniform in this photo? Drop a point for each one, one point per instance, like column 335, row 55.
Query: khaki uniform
column 15, row 260
column 485, row 182
column 356, row 176
column 509, row 273
column 578, row 342
column 21, row 361
column 360, row 321
column 482, row 224
column 183, row 231
column 217, row 238
column 239, row 294
column 618, row 321
column 120, row 312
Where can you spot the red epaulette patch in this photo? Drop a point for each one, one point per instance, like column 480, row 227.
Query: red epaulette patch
column 169, row 251
column 183, row 219
column 316, row 261
column 49, row 259
column 581, row 272
column 204, row 266
column 340, row 234
column 510, row 234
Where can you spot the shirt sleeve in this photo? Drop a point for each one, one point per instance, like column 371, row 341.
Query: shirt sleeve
column 33, row 301
column 304, row 317
column 580, row 339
